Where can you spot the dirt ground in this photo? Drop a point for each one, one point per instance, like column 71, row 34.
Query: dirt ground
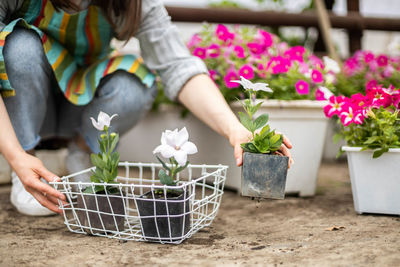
column 290, row 232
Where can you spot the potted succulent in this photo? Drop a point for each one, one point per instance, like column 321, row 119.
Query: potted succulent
column 298, row 79
column 164, row 212
column 370, row 125
column 263, row 172
column 102, row 206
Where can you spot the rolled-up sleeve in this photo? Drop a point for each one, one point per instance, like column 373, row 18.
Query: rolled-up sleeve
column 163, row 50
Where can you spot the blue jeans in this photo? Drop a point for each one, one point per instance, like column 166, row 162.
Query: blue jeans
column 39, row 108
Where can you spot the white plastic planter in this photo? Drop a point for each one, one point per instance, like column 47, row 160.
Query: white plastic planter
column 375, row 183
column 302, row 121
column 330, row 148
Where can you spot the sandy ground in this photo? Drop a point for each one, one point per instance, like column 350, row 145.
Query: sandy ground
column 290, row 232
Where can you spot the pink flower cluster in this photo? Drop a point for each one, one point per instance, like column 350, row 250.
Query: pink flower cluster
column 375, row 69
column 355, row 109
column 257, row 54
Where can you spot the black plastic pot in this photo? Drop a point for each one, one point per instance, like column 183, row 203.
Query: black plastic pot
column 114, row 204
column 264, row 175
column 156, row 209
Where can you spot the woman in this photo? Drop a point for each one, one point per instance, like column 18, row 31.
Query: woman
column 56, row 72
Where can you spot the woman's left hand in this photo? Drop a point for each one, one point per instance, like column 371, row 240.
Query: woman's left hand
column 241, row 135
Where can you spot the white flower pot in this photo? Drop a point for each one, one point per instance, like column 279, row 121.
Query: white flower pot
column 330, row 148
column 375, row 183
column 302, row 121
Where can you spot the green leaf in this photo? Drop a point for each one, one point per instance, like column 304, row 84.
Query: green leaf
column 182, row 167
column 163, row 164
column 115, row 159
column 378, row 153
column 165, row 178
column 246, row 121
column 371, row 140
column 97, row 161
column 249, row 147
column 337, row 137
column 114, row 143
column 261, row 121
column 264, row 131
column 274, row 139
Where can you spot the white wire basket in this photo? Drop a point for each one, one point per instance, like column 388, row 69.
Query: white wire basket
column 135, row 212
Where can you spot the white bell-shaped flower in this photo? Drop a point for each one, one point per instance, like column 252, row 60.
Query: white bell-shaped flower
column 103, row 120
column 248, row 85
column 175, row 144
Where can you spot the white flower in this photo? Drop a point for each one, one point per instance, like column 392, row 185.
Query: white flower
column 331, row 65
column 175, row 144
column 248, row 85
column 327, row 93
column 330, row 78
column 103, row 120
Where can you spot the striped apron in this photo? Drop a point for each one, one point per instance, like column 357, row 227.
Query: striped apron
column 77, row 47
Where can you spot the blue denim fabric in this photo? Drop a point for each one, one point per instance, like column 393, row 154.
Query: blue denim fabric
column 40, row 110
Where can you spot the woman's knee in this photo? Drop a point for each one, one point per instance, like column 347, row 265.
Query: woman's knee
column 23, row 52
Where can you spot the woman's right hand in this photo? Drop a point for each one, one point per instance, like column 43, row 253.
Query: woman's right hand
column 30, row 169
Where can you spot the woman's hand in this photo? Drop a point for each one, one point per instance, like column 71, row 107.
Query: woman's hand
column 240, row 135
column 29, row 170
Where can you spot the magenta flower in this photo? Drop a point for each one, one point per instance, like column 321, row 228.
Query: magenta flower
column 388, row 71
column 213, row 74
column 266, row 38
column 224, row 34
column 316, row 62
column 194, row 41
column 323, row 93
column 316, row 76
column 371, row 84
column 302, row 87
column 213, row 51
column 239, row 51
column 334, row 107
column 368, row 56
column 229, row 79
column 200, row 52
column 295, row 53
column 382, row 60
column 348, row 116
column 246, row 71
column 278, row 65
column 256, row 48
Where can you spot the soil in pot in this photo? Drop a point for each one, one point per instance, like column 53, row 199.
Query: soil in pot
column 264, row 175
column 158, row 208
column 94, row 214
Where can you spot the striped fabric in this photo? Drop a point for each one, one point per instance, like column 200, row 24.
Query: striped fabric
column 76, row 46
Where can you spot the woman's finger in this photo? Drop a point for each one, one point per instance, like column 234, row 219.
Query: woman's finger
column 285, row 151
column 238, row 151
column 40, row 186
column 287, row 142
column 44, row 201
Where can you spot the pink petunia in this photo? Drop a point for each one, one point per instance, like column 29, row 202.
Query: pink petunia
column 278, row 65
column 224, row 34
column 295, row 53
column 382, row 60
column 323, row 93
column 335, row 106
column 368, row 56
column 303, row 68
column 200, row 52
column 194, row 41
column 256, row 48
column 316, row 62
column 239, row 51
column 213, row 51
column 267, row 38
column 246, row 71
column 302, row 87
column 371, row 84
column 231, row 76
column 349, row 116
column 316, row 76
column 213, row 74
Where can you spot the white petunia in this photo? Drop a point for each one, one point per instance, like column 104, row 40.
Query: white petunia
column 175, row 144
column 331, row 65
column 103, row 120
column 327, row 93
column 248, row 85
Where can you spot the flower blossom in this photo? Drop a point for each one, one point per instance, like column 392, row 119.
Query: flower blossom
column 229, row 79
column 103, row 121
column 248, row 85
column 323, row 93
column 302, row 87
column 175, row 144
column 331, row 65
column 200, row 52
column 316, row 76
column 246, row 71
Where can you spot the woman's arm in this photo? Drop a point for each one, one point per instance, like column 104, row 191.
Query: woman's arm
column 203, row 99
column 28, row 168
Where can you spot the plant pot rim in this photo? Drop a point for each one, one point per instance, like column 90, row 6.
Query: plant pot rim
column 276, row 103
column 265, row 154
column 358, row 149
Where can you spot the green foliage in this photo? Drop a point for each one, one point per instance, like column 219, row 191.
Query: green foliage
column 106, row 163
column 379, row 132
